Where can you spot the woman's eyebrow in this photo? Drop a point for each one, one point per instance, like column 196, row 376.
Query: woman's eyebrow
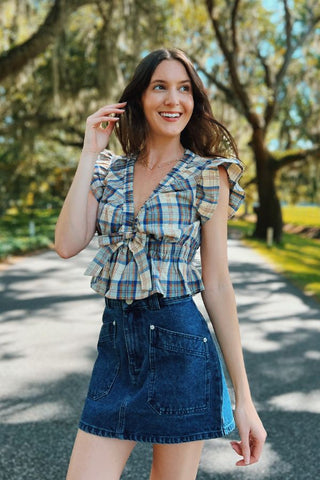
column 164, row 81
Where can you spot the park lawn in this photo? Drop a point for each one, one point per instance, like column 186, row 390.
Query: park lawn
column 301, row 215
column 297, row 258
column 14, row 231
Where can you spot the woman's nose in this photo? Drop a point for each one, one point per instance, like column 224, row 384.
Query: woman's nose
column 172, row 97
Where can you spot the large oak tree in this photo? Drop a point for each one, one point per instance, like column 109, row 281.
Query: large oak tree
column 263, row 50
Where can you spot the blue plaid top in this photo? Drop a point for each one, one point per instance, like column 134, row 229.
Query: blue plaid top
column 154, row 252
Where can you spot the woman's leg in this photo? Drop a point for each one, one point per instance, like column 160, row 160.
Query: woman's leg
column 98, row 458
column 176, row 461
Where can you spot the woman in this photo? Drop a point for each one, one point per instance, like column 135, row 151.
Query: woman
column 157, row 377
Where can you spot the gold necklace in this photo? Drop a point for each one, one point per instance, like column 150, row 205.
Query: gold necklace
column 144, row 163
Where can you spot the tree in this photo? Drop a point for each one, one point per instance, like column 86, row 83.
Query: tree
column 89, row 57
column 13, row 60
column 260, row 57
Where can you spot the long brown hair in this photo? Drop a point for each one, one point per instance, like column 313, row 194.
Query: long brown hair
column 203, row 134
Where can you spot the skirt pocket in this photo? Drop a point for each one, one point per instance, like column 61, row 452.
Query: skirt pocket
column 179, row 373
column 107, row 364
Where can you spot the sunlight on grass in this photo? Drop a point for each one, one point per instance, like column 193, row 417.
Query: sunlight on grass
column 301, row 215
column 298, row 258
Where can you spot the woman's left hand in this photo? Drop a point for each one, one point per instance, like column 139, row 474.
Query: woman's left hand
column 252, row 434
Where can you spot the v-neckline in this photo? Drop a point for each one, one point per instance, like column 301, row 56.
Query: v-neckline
column 130, row 179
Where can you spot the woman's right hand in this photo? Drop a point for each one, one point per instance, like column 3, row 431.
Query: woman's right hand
column 96, row 137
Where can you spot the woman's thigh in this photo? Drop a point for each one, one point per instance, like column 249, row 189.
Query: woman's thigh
column 98, row 458
column 176, row 461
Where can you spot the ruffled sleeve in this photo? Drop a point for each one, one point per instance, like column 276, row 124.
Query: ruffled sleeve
column 100, row 173
column 208, row 187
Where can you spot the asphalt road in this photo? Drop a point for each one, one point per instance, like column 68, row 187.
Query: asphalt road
column 49, row 322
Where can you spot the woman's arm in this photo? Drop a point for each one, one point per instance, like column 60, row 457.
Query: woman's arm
column 219, row 300
column 77, row 220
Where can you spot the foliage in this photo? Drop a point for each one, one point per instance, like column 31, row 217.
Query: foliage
column 260, row 62
column 44, row 109
column 15, row 236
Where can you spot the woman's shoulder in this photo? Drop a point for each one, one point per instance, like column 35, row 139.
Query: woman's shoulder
column 202, row 165
column 107, row 157
column 110, row 161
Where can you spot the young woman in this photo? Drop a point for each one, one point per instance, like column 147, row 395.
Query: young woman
column 158, row 377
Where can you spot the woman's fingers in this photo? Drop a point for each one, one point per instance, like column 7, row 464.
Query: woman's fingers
column 99, row 126
column 107, row 109
column 236, row 447
column 256, row 447
column 250, row 450
column 239, row 448
column 97, row 122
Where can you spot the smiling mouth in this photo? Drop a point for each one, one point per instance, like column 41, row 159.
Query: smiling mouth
column 170, row 115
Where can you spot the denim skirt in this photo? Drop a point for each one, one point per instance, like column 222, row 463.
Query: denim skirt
column 157, row 377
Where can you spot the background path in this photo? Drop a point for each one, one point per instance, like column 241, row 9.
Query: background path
column 48, row 329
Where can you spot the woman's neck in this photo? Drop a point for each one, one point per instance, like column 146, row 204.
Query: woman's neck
column 158, row 151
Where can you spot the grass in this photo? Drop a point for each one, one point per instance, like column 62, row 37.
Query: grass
column 297, row 258
column 301, row 215
column 14, row 231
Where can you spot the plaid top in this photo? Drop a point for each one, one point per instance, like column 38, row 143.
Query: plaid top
column 154, row 251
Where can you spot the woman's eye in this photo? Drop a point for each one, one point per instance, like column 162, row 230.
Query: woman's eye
column 185, row 88
column 158, row 87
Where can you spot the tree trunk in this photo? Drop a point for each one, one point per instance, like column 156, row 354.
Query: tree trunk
column 269, row 209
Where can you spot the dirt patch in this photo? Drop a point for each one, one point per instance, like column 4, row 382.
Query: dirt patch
column 304, row 231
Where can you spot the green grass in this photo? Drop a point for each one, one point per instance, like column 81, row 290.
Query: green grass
column 297, row 258
column 300, row 215
column 14, row 231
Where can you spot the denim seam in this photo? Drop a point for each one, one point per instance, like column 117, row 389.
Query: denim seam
column 151, row 438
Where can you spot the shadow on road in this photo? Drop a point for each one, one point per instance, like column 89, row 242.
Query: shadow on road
column 49, row 325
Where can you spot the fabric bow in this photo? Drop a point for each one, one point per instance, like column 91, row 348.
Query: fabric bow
column 136, row 242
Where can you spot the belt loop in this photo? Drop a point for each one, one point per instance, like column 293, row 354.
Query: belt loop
column 107, row 302
column 154, row 302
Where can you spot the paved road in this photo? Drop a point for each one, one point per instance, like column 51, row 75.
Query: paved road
column 49, row 325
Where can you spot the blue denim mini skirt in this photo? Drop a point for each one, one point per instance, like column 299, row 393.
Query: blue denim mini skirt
column 157, row 377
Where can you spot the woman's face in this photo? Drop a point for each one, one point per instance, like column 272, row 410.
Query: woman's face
column 168, row 100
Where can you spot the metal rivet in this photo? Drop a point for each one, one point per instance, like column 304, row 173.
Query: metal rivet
column 151, row 327
column 205, row 339
column 114, row 322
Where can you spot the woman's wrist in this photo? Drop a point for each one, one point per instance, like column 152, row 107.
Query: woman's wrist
column 242, row 394
column 89, row 153
column 243, row 400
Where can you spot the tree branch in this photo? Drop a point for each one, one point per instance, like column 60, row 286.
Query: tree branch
column 289, row 46
column 266, row 68
column 239, row 89
column 252, row 181
column 292, row 157
column 212, row 78
column 67, row 143
column 234, row 14
column 290, row 49
column 13, row 61
column 230, row 97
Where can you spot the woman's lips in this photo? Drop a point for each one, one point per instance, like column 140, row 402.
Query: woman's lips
column 170, row 116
